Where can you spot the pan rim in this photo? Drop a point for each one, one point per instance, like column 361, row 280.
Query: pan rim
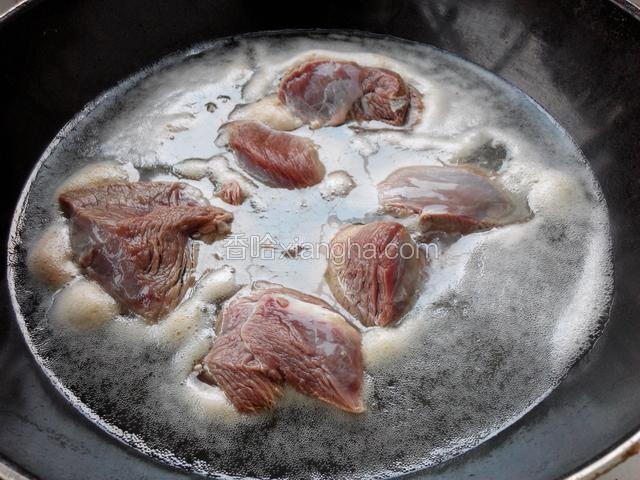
column 608, row 461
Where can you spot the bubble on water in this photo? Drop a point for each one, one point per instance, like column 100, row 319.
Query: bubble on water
column 192, row 169
column 337, row 184
column 364, row 146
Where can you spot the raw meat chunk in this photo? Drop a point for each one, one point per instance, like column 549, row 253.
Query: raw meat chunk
column 133, row 240
column 272, row 335
column 330, row 92
column 322, row 92
column 231, row 192
column 385, row 97
column 374, row 271
column 447, row 199
column 275, row 158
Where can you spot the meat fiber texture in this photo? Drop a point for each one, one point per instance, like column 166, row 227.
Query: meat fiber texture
column 231, row 192
column 449, row 199
column 271, row 335
column 277, row 159
column 132, row 238
column 374, row 271
column 330, row 92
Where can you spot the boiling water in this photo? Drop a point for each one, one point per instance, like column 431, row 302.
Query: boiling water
column 500, row 319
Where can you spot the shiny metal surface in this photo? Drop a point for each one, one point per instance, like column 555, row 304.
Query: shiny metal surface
column 611, row 460
column 631, row 6
column 9, row 473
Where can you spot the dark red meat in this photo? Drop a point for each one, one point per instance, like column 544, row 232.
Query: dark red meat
column 272, row 335
column 275, row 158
column 374, row 271
column 133, row 239
column 231, row 192
column 330, row 92
column 448, row 199
column 322, row 92
column 385, row 97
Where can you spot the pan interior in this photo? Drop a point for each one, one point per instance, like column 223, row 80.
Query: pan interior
column 501, row 318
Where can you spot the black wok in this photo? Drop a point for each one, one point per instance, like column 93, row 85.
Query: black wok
column 580, row 59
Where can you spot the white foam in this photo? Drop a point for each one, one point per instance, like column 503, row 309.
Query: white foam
column 337, row 184
column 270, row 111
column 193, row 314
column 82, row 305
column 50, row 258
column 95, row 173
column 216, row 169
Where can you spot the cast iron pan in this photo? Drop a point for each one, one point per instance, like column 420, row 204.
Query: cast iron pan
column 580, row 59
